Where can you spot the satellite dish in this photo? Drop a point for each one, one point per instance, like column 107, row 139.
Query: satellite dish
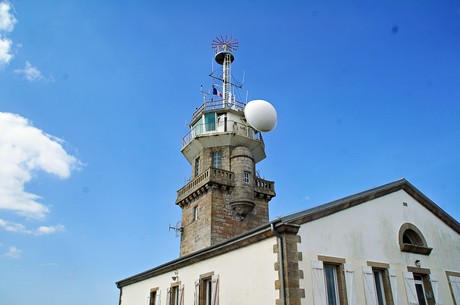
column 261, row 115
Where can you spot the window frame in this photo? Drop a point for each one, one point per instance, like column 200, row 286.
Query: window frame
column 209, row 120
column 174, row 295
column 217, row 159
column 384, row 272
column 417, row 243
column 341, row 287
column 154, row 293
column 331, row 282
column 449, row 274
column 419, row 283
column 205, row 289
column 195, row 213
column 197, row 167
column 425, row 275
column 246, row 177
column 380, row 286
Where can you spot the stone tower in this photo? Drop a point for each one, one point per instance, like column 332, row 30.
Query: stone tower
column 225, row 197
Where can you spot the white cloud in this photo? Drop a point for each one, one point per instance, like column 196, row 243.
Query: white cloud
column 25, row 149
column 20, row 228
column 7, row 22
column 12, row 227
column 31, row 73
column 7, row 19
column 6, row 54
column 13, row 252
column 42, row 230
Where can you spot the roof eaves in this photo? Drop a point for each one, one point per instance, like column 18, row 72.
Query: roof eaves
column 374, row 193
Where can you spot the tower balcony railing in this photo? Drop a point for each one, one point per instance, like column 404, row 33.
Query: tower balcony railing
column 214, row 175
column 212, row 105
column 213, row 128
column 264, row 184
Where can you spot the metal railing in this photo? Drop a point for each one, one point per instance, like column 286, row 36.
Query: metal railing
column 221, row 127
column 217, row 105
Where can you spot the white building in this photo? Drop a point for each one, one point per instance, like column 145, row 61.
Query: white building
column 390, row 245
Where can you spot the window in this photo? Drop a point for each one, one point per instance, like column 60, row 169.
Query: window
column 195, row 213
column 411, row 240
column 217, row 159
column 197, row 128
column 175, row 295
column 380, row 285
column 206, row 289
column 333, row 281
column 332, row 288
column 420, row 289
column 154, row 296
column 197, row 166
column 210, row 121
column 246, row 177
column 379, row 288
column 454, row 284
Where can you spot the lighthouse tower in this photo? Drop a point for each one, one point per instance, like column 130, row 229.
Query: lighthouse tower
column 225, row 196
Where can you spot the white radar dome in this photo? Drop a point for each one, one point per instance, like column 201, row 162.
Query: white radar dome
column 261, row 115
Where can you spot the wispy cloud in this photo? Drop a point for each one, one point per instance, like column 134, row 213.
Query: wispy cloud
column 7, row 23
column 7, row 19
column 6, row 54
column 20, row 228
column 31, row 73
column 25, row 149
column 43, row 230
column 13, row 253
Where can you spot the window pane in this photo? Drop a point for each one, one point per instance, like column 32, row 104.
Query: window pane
column 330, row 274
column 246, row 177
column 197, row 166
column 210, row 121
column 208, row 292
column 420, row 294
column 216, row 160
column 378, row 276
column 197, row 129
column 195, row 213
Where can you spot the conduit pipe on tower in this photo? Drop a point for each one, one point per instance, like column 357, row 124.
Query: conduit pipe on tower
column 281, row 260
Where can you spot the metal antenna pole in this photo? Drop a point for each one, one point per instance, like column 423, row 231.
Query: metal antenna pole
column 226, row 75
column 224, row 48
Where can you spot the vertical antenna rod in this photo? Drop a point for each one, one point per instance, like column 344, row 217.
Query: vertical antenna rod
column 224, row 48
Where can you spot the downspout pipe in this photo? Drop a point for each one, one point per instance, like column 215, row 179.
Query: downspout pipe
column 121, row 292
column 281, row 258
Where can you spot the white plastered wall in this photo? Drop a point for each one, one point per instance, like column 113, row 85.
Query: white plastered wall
column 369, row 232
column 246, row 276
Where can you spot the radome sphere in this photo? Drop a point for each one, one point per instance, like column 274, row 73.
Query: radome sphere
column 261, row 115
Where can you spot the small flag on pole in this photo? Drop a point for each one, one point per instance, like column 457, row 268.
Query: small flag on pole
column 216, row 92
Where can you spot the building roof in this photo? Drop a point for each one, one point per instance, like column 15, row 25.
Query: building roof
column 374, row 193
column 265, row 231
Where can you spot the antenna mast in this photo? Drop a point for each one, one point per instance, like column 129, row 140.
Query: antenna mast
column 224, row 48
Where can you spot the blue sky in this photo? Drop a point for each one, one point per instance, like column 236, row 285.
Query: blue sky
column 95, row 96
